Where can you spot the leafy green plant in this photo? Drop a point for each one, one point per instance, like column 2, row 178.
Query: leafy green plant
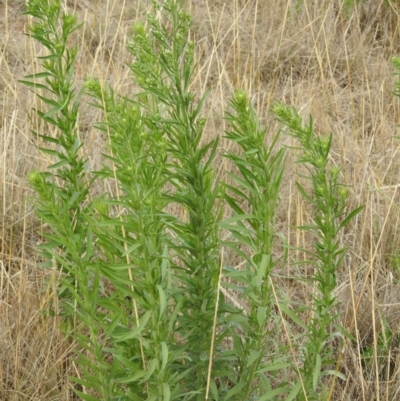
column 130, row 254
column 63, row 191
column 257, row 184
column 196, row 190
column 330, row 217
column 142, row 272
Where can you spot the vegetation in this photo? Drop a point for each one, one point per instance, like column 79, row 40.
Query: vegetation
column 168, row 273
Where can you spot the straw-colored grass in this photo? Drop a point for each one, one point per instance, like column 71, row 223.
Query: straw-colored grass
column 332, row 63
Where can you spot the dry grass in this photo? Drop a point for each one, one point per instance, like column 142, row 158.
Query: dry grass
column 327, row 63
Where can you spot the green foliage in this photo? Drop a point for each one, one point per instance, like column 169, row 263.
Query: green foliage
column 141, row 287
column 330, row 217
column 260, row 174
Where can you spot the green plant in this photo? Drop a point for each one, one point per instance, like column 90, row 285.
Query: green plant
column 257, row 184
column 63, row 192
column 140, row 284
column 330, row 217
column 126, row 268
column 195, row 190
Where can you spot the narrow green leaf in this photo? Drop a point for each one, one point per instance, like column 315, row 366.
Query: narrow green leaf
column 49, row 57
column 119, row 267
column 295, row 390
column 53, row 111
column 151, row 367
column 164, row 355
column 227, row 223
column 48, row 101
column 238, row 192
column 241, row 182
column 293, row 316
column 58, row 164
column 88, row 382
column 166, row 391
column 350, row 216
column 274, row 366
column 113, row 323
column 262, row 268
column 174, row 314
column 163, row 300
column 261, row 315
column 50, row 139
column 33, row 84
column 84, row 396
column 234, row 390
column 212, row 154
column 334, row 373
column 39, row 75
column 243, row 239
column 344, row 333
column 164, row 263
column 239, row 230
column 317, row 372
column 131, row 249
column 214, row 390
column 238, row 345
column 51, row 152
column 236, row 319
column 254, row 355
column 50, row 120
column 134, row 378
column 304, row 193
column 135, row 332
column 233, row 204
column 271, row 394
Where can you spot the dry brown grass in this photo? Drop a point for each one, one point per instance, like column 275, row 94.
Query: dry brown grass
column 335, row 67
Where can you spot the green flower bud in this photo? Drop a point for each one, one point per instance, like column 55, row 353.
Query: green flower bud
column 335, row 173
column 92, row 85
column 202, row 121
column 319, row 190
column 324, row 143
column 240, row 99
column 138, row 30
column 37, row 28
column 343, row 193
column 101, row 206
column 35, row 178
column 320, row 162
